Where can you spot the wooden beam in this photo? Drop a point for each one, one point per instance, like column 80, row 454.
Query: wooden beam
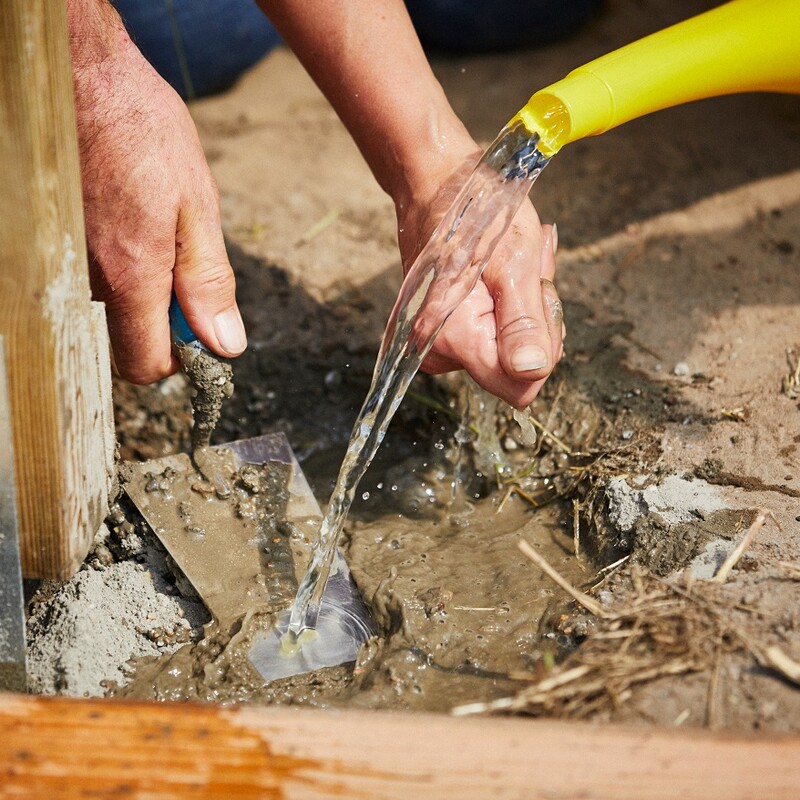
column 56, row 340
column 61, row 748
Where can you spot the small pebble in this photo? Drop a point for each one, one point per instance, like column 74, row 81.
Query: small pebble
column 605, row 597
column 681, row 369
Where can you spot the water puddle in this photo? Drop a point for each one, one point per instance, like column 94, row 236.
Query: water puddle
column 462, row 614
column 462, row 610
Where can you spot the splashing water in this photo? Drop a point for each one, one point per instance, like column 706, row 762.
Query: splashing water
column 442, row 275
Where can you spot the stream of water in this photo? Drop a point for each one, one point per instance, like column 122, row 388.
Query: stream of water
column 443, row 274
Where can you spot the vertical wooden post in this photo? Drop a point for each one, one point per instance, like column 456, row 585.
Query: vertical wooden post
column 56, row 341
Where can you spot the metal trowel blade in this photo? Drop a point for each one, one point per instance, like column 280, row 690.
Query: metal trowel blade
column 343, row 626
column 225, row 557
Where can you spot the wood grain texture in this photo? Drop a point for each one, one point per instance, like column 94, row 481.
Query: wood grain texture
column 60, row 748
column 56, row 339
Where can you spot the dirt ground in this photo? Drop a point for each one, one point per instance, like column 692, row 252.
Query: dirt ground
column 678, row 397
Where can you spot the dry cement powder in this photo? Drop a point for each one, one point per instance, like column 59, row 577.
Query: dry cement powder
column 80, row 640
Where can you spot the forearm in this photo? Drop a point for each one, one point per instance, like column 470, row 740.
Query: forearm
column 366, row 58
column 108, row 70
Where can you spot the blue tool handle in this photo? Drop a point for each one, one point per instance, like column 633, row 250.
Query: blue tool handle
column 180, row 330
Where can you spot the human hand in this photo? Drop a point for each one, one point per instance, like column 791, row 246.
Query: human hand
column 150, row 203
column 508, row 333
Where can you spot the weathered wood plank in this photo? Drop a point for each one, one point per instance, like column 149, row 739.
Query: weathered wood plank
column 56, row 341
column 60, row 748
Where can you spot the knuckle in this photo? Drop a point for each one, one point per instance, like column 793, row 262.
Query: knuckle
column 139, row 373
column 523, row 324
column 212, row 279
column 119, row 268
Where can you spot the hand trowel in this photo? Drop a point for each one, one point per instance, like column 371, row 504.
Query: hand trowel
column 237, row 519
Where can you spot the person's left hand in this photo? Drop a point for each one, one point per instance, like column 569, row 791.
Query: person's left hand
column 151, row 207
column 508, row 333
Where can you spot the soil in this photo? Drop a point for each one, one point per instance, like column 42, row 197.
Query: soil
column 672, row 420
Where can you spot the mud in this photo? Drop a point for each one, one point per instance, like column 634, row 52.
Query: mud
column 211, row 377
column 459, row 612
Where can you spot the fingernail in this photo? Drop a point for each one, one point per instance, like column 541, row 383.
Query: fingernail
column 528, row 357
column 230, row 331
column 554, row 238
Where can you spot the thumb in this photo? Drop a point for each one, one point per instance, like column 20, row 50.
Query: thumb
column 524, row 342
column 204, row 283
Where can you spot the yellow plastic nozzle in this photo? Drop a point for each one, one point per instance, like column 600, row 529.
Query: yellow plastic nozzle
column 741, row 46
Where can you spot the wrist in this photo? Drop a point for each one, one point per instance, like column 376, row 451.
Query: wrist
column 422, row 157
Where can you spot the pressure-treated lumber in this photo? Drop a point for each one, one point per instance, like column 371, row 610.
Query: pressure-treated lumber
column 60, row 748
column 56, row 341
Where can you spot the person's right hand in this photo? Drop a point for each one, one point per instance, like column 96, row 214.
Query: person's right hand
column 508, row 332
column 150, row 203
column 367, row 59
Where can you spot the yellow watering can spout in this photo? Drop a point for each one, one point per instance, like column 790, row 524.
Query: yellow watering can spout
column 741, row 46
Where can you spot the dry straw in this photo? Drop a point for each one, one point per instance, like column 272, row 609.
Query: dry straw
column 660, row 628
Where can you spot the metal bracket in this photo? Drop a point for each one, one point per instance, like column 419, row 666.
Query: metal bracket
column 12, row 611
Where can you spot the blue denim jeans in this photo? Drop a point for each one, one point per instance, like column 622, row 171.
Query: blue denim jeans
column 472, row 26
column 202, row 46
column 199, row 46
